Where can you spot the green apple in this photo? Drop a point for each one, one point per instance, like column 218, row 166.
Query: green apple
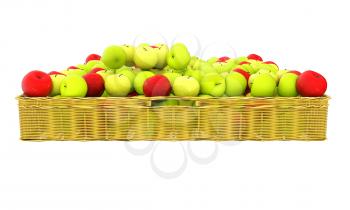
column 251, row 79
column 140, row 78
column 219, row 67
column 114, row 57
column 236, row 84
column 129, row 73
column 89, row 65
column 280, row 73
column 194, row 73
column 266, row 71
column 212, row 60
column 145, row 57
column 264, row 85
column 73, row 86
column 56, row 83
column 248, row 68
column 240, row 59
column 105, row 94
column 171, row 76
column 178, row 57
column 213, row 84
column 162, row 52
column 129, row 52
column 105, row 73
column 118, row 85
column 287, row 85
column 78, row 72
column 205, row 96
column 206, row 68
column 167, row 102
column 99, row 65
column 186, row 86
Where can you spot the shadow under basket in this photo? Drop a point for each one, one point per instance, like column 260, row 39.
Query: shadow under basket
column 195, row 118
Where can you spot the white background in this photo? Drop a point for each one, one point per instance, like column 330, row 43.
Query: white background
column 51, row 35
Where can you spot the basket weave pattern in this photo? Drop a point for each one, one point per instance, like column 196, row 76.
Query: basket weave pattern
column 236, row 118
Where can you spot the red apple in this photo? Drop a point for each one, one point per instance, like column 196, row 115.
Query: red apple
column 244, row 62
column 56, row 72
column 95, row 70
column 311, row 84
column 244, row 73
column 153, row 46
column 270, row 62
column 295, row 72
column 72, row 67
column 157, row 85
column 92, row 57
column 223, row 59
column 36, row 84
column 132, row 94
column 254, row 57
column 95, row 84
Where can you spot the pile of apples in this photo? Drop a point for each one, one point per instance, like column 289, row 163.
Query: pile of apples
column 156, row 70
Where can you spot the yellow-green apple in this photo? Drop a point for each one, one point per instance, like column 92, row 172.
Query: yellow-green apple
column 287, row 85
column 145, row 57
column 92, row 57
column 95, row 84
column 186, row 86
column 129, row 73
column 212, row 60
column 240, row 59
column 311, row 84
column 178, row 57
column 117, row 85
column 236, row 84
column 105, row 73
column 194, row 73
column 36, row 84
column 162, row 52
column 157, row 85
column 295, row 72
column 244, row 73
column 264, row 85
column 73, row 86
column 172, row 76
column 114, row 57
column 129, row 52
column 56, row 78
column 140, row 79
column 213, row 84
column 78, row 72
column 99, row 65
column 280, row 73
column 89, row 65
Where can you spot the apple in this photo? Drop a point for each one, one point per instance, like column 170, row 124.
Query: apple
column 129, row 52
column 117, row 85
column 72, row 67
column 130, row 74
column 100, row 65
column 295, row 72
column 140, row 79
column 254, row 57
column 172, row 76
column 213, row 84
column 311, row 84
column 212, row 60
column 73, row 86
column 194, row 73
column 114, row 57
column 245, row 65
column 280, row 73
column 236, row 84
column 266, row 71
column 223, row 59
column 271, row 62
column 162, row 51
column 287, row 85
column 264, row 85
column 186, row 86
column 132, row 94
column 240, row 59
column 145, row 57
column 95, row 84
column 178, row 57
column 90, row 65
column 36, row 84
column 77, row 72
column 244, row 73
column 92, row 57
column 95, row 70
column 56, row 78
column 157, row 85
column 105, row 73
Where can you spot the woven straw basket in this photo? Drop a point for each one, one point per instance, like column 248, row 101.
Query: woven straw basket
column 141, row 118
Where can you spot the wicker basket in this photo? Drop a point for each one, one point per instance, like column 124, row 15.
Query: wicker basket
column 139, row 118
